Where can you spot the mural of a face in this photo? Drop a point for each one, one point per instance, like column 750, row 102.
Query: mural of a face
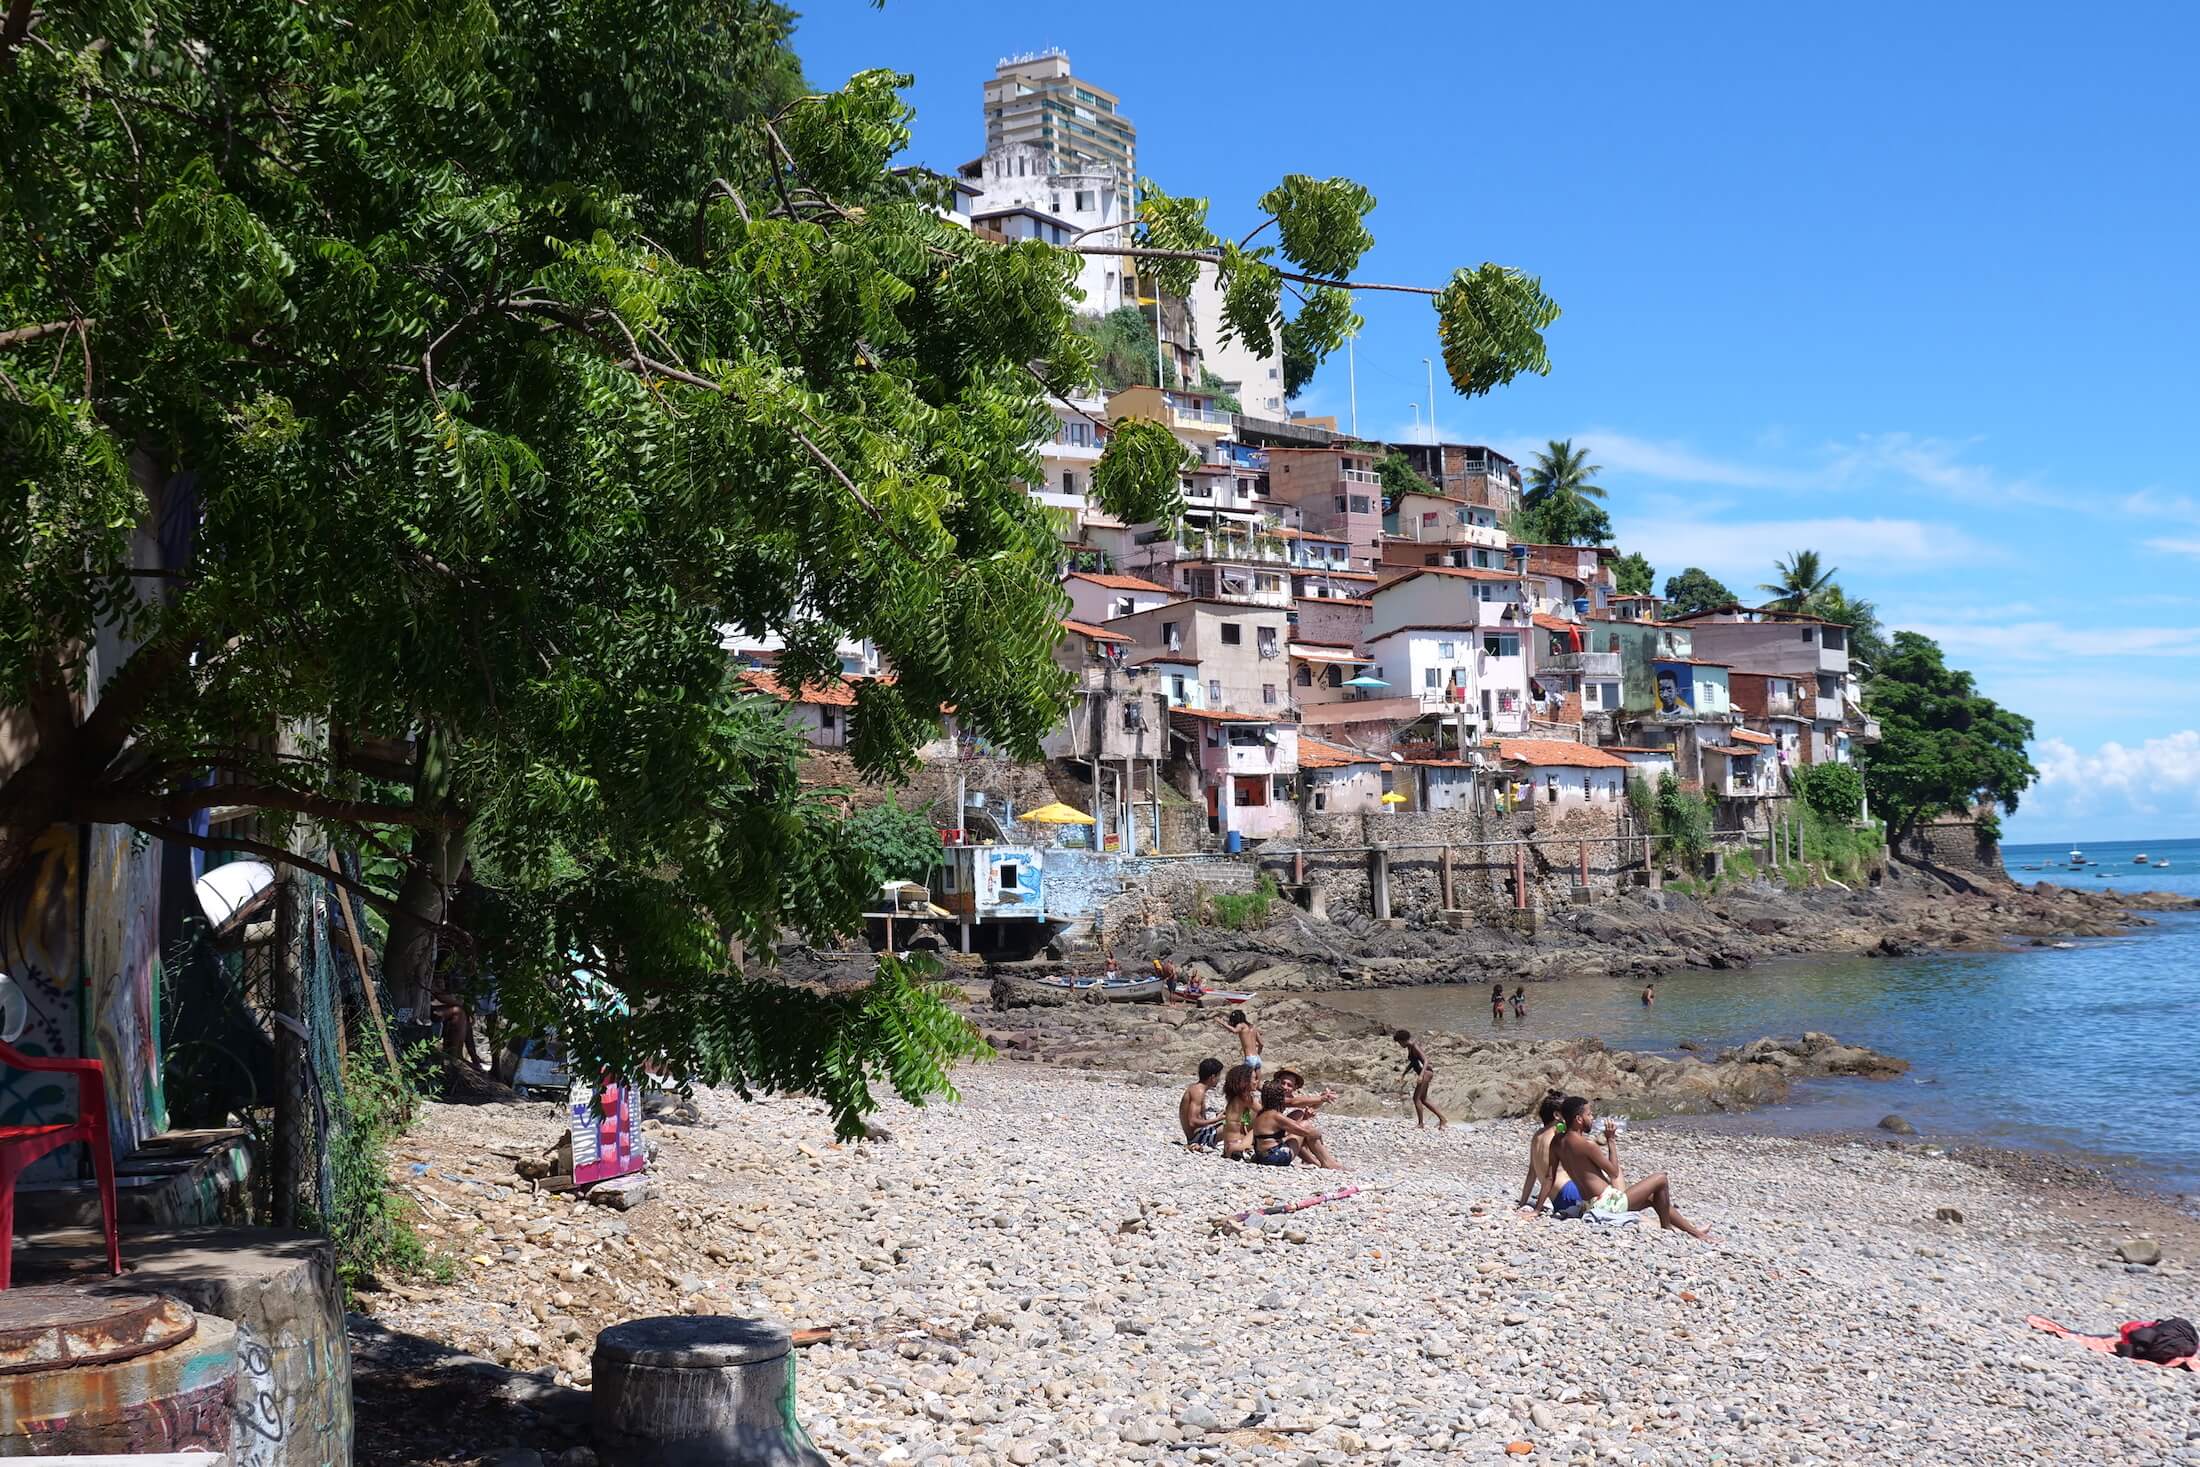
column 1669, row 693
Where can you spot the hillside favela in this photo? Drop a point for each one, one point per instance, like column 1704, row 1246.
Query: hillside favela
column 737, row 739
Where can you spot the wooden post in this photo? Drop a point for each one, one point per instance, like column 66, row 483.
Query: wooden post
column 1298, row 868
column 292, row 1162
column 1449, row 881
column 366, row 979
column 1583, row 869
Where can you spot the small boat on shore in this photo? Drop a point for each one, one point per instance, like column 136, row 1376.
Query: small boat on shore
column 1122, row 988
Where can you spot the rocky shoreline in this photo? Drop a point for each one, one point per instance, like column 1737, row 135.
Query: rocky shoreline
column 1634, row 935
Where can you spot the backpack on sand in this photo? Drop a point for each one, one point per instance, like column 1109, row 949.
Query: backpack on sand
column 2161, row 1341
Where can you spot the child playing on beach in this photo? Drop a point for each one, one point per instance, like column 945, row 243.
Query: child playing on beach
column 1497, row 1003
column 1422, row 1074
column 1248, row 1037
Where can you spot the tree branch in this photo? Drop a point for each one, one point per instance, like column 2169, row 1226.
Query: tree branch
column 15, row 28
column 22, row 335
column 1214, row 257
column 275, row 855
column 116, row 808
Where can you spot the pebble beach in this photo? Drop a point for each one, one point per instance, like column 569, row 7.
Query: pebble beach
column 1035, row 1274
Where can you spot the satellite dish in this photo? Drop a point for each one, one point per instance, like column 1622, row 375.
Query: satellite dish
column 15, row 1010
column 225, row 892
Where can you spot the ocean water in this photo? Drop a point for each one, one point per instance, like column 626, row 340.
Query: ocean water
column 2091, row 1050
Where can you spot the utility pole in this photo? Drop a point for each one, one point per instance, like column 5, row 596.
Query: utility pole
column 1352, row 383
column 1431, row 366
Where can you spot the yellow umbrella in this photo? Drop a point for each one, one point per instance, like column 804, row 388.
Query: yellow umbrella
column 1394, row 798
column 1056, row 814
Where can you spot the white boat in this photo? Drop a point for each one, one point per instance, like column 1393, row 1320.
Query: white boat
column 2163, row 862
column 1119, row 989
column 2141, row 859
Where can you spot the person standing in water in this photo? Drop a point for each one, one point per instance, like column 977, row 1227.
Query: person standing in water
column 1497, row 1003
column 1423, row 1075
column 1520, row 1000
column 1649, row 994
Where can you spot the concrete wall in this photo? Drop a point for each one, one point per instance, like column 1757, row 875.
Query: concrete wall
column 1482, row 874
column 1326, row 620
column 1954, row 845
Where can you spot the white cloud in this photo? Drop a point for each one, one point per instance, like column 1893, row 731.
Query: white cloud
column 2057, row 641
column 2176, row 547
column 2116, row 791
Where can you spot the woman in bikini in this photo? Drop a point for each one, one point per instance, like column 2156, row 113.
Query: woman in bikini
column 1497, row 1003
column 1240, row 1106
column 1422, row 1074
column 1278, row 1140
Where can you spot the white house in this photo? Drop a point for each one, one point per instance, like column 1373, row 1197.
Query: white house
column 1096, row 596
column 1560, row 776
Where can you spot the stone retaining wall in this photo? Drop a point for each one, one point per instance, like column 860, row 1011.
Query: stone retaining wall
column 1958, row 846
column 1339, row 884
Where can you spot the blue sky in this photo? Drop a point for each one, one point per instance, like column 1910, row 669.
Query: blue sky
column 1913, row 286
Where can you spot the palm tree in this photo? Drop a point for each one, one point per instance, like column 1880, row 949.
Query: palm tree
column 1802, row 585
column 1562, row 492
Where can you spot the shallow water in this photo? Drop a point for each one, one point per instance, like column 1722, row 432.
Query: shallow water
column 2092, row 1050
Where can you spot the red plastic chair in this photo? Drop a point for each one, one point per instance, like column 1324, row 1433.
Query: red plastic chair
column 22, row 1145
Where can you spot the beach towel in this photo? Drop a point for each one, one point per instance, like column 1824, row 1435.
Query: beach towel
column 2106, row 1344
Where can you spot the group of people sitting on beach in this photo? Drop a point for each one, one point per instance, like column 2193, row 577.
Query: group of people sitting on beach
column 1266, row 1119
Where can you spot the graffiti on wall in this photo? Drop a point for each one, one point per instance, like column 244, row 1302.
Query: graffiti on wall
column 122, row 966
column 293, row 1400
column 38, row 952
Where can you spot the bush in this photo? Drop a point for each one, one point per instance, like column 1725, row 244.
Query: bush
column 372, row 1225
column 1241, row 910
column 1683, row 820
column 1834, row 791
column 1642, row 802
column 1836, row 846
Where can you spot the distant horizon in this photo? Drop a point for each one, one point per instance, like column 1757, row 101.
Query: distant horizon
column 2105, row 840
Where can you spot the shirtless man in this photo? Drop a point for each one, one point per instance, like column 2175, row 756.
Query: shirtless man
column 1191, row 1110
column 1596, row 1169
column 1534, row 1195
column 1248, row 1037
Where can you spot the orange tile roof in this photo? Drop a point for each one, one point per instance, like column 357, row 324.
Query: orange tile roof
column 1119, row 583
column 837, row 695
column 1751, row 736
column 1732, row 751
column 1551, row 623
column 1217, row 715
column 1316, row 754
column 1559, row 753
column 1087, row 629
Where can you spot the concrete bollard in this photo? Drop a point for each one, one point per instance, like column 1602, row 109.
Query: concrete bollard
column 698, row 1390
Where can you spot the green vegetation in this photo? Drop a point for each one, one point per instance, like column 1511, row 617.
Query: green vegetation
column 1243, row 910
column 1633, row 574
column 1682, row 820
column 1802, row 584
column 1400, row 477
column 896, row 844
column 1837, row 846
column 1123, row 355
column 1695, row 590
column 1834, row 791
column 1563, row 502
column 372, row 1223
column 1942, row 746
column 498, row 358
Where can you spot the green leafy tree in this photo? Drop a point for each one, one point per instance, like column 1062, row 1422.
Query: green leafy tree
column 1122, row 343
column 1695, row 590
column 1563, row 501
column 897, row 843
column 405, row 401
column 1633, row 574
column 1834, row 791
column 1683, row 820
column 1400, row 477
column 1802, row 583
column 1942, row 746
column 1867, row 638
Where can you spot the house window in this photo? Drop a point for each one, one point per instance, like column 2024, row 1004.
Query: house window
column 1806, row 631
column 1334, row 677
column 1069, row 481
column 1321, row 797
column 1303, row 678
column 1361, row 504
column 1124, row 606
column 1265, row 640
column 1429, row 677
column 1007, row 871
column 1586, row 791
column 1550, row 787
column 1340, row 504
column 1170, row 638
column 1251, row 789
column 1283, row 789
column 1177, row 682
column 1083, row 198
column 1508, row 701
column 1443, row 650
column 1611, row 696
column 1501, row 644
column 1268, row 693
column 1232, row 634
column 1214, row 692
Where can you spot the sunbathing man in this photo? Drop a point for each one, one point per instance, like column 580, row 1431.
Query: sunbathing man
column 1191, row 1110
column 1278, row 1140
column 1534, row 1196
column 1303, row 1105
column 1248, row 1037
column 1596, row 1169
column 1240, row 1108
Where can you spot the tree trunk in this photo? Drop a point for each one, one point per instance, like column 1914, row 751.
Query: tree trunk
column 423, row 901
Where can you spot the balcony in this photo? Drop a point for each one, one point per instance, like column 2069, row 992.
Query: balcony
column 1245, row 549
column 1189, row 414
column 1058, row 448
column 1587, row 664
column 1360, row 476
column 1778, row 705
